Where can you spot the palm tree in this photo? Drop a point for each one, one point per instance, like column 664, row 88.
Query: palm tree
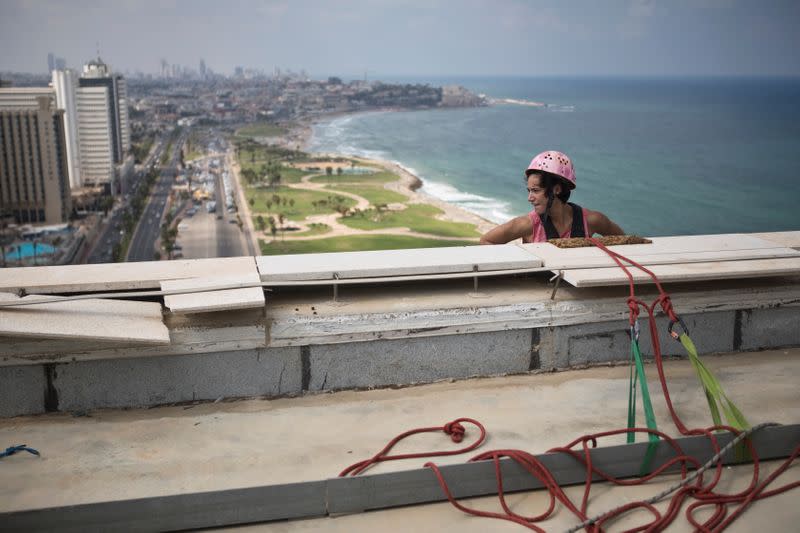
column 281, row 220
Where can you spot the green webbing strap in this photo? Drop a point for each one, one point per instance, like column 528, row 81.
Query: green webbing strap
column 649, row 415
column 714, row 393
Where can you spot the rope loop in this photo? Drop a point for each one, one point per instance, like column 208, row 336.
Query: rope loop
column 666, row 304
column 455, row 430
column 633, row 306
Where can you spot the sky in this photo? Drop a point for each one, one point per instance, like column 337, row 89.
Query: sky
column 411, row 37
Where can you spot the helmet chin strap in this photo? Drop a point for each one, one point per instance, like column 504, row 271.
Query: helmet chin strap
column 549, row 205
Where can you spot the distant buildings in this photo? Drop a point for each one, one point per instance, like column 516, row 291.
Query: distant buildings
column 65, row 85
column 34, row 180
column 55, row 139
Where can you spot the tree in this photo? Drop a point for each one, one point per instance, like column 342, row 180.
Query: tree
column 291, row 202
column 262, row 224
column 281, row 220
column 252, row 202
column 338, row 171
column 328, row 170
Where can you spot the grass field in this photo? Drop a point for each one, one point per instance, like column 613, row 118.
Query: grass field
column 416, row 217
column 353, row 243
column 261, row 129
column 378, row 177
column 374, row 194
column 302, row 202
column 314, row 229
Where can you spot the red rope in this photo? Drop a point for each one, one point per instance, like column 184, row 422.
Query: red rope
column 703, row 493
column 455, row 429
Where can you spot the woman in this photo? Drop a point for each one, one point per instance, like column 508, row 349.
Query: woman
column 550, row 179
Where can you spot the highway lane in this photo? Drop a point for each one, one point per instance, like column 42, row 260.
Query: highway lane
column 112, row 232
column 142, row 247
column 230, row 240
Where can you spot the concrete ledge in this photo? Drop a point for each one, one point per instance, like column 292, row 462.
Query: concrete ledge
column 22, row 390
column 770, row 328
column 153, row 381
column 603, row 342
column 389, row 362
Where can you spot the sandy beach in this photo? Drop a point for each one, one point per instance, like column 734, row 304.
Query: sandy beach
column 409, row 184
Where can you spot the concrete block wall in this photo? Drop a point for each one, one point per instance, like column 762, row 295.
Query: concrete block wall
column 84, row 385
column 602, row 342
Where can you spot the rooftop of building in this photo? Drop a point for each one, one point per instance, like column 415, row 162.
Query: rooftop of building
column 144, row 398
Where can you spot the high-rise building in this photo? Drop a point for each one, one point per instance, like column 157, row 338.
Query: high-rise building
column 61, row 63
column 34, row 182
column 65, row 85
column 202, row 69
column 95, row 136
column 14, row 97
column 98, row 74
column 51, row 62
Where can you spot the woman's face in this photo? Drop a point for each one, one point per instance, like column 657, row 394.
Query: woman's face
column 537, row 195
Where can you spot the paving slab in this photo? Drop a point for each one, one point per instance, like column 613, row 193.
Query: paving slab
column 116, row 276
column 395, row 262
column 216, row 300
column 685, row 272
column 664, row 250
column 783, row 238
column 91, row 319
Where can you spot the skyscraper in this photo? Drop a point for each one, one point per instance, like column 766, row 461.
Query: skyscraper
column 98, row 74
column 51, row 62
column 34, row 182
column 65, row 85
column 202, row 69
column 95, row 136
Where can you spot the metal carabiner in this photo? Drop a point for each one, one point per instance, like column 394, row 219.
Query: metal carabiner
column 675, row 335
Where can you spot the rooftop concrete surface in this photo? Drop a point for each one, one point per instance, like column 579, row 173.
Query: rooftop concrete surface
column 121, row 454
column 778, row 513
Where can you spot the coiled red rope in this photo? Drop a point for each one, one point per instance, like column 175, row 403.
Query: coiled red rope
column 579, row 449
column 455, row 429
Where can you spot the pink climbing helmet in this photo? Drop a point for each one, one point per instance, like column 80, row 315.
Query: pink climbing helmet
column 555, row 163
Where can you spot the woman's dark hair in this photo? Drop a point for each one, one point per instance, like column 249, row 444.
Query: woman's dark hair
column 548, row 182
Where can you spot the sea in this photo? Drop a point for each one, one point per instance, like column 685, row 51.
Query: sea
column 659, row 156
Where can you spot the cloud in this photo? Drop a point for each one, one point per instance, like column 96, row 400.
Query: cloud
column 637, row 19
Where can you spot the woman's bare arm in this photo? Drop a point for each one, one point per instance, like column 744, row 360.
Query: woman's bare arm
column 515, row 228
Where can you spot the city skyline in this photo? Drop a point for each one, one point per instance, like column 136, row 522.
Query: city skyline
column 354, row 37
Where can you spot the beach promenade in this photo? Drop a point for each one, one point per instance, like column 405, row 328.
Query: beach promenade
column 394, row 203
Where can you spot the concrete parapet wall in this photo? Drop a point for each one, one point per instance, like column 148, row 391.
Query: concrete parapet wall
column 602, row 342
column 422, row 360
column 146, row 381
column 142, row 382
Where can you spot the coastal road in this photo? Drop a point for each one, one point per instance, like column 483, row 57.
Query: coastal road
column 212, row 234
column 112, row 232
column 142, row 247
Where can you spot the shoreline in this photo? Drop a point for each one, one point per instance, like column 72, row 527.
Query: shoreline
column 409, row 183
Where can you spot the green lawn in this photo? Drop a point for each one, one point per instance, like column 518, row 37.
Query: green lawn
column 261, row 129
column 288, row 174
column 302, row 202
column 352, row 243
column 378, row 177
column 374, row 195
column 416, row 217
column 314, row 229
